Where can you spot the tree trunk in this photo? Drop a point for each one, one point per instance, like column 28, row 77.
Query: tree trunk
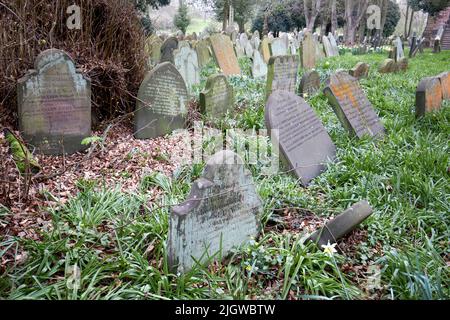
column 226, row 13
column 384, row 9
column 266, row 24
column 353, row 21
column 406, row 21
column 410, row 22
column 311, row 13
column 334, row 23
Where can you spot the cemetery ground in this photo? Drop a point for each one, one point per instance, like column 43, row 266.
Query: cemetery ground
column 99, row 216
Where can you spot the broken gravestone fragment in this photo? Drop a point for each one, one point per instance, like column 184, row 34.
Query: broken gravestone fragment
column 428, row 96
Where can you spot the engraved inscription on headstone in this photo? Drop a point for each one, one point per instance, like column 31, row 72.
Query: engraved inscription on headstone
column 282, row 74
column 304, row 143
column 428, row 96
column 218, row 96
column 310, row 83
column 224, row 54
column 221, row 212
column 162, row 102
column 54, row 104
column 352, row 107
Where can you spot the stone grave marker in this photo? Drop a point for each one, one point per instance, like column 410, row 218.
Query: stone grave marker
column 352, row 107
column 282, row 74
column 320, row 54
column 256, row 40
column 310, row 83
column 304, row 143
column 54, row 104
column 402, row 64
column 428, row 96
column 218, row 96
column 153, row 49
column 167, row 49
column 308, row 52
column 445, row 84
column 399, row 49
column 222, row 211
column 327, row 46
column 279, row 47
column 222, row 48
column 259, row 67
column 203, row 53
column 186, row 62
column 361, row 70
column 334, row 44
column 240, row 51
column 387, row 66
column 162, row 102
column 265, row 49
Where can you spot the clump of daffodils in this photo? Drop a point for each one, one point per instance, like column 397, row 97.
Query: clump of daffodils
column 329, row 249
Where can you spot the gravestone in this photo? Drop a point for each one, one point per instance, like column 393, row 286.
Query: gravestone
column 167, row 49
column 445, row 84
column 428, row 96
column 186, row 62
column 361, row 70
column 249, row 49
column 222, row 211
column 282, row 74
column 413, row 45
column 54, row 104
column 256, row 41
column 320, row 54
column 224, row 54
column 265, row 49
column 218, row 97
column 153, row 49
column 279, row 47
column 334, row 44
column 240, row 51
column 387, row 66
column 399, row 49
column 308, row 51
column 402, row 64
column 259, row 67
column 162, row 102
column 327, row 46
column 310, row 83
column 203, row 53
column 304, row 143
column 352, row 107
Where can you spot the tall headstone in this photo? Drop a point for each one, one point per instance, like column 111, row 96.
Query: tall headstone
column 54, row 104
column 224, row 54
column 399, row 49
column 256, row 40
column 334, row 45
column 167, row 49
column 265, row 49
column 308, row 51
column 310, row 83
column 327, row 46
column 186, row 62
column 428, row 96
column 203, row 53
column 282, row 74
column 218, row 97
column 162, row 102
column 221, row 212
column 352, row 107
column 259, row 67
column 304, row 143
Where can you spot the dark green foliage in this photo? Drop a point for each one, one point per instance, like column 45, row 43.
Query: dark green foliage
column 282, row 17
column 392, row 18
column 181, row 19
column 431, row 6
column 141, row 5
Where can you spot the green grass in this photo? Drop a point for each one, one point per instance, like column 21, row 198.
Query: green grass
column 117, row 240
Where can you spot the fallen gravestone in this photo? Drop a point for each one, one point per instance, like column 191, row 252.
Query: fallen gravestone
column 445, row 84
column 361, row 70
column 222, row 48
column 282, row 74
column 162, row 102
column 308, row 51
column 402, row 64
column 259, row 67
column 352, row 107
column 54, row 104
column 218, row 96
column 186, row 62
column 387, row 66
column 310, row 83
column 222, row 212
column 167, row 49
column 428, row 96
column 343, row 224
column 304, row 143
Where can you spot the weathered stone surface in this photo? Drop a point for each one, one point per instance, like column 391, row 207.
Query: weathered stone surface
column 224, row 54
column 153, row 49
column 265, row 49
column 282, row 74
column 256, row 40
column 402, row 64
column 203, row 53
column 334, row 44
column 186, row 62
column 445, row 84
column 327, row 46
column 259, row 67
column 399, row 54
column 361, row 70
column 387, row 66
column 218, row 96
column 310, row 83
column 167, row 49
column 162, row 102
column 279, row 47
column 54, row 104
column 320, row 54
column 308, row 51
column 343, row 224
column 304, row 143
column 222, row 211
column 428, row 96
column 352, row 107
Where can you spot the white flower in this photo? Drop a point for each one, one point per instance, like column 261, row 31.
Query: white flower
column 329, row 249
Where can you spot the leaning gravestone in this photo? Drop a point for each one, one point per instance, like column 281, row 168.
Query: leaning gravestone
column 218, row 96
column 167, row 49
column 224, row 54
column 259, row 67
column 428, row 96
column 279, row 47
column 334, row 45
column 203, row 53
column 445, row 84
column 303, row 140
column 361, row 70
column 310, row 83
column 387, row 66
column 186, row 62
column 282, row 74
column 327, row 46
column 352, row 107
column 399, row 49
column 162, row 102
column 153, row 49
column 54, row 104
column 265, row 49
column 221, row 212
column 308, row 51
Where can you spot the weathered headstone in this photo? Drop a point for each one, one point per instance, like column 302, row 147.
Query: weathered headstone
column 402, row 64
column 240, row 51
column 334, row 44
column 153, row 49
column 221, row 212
column 259, row 67
column 320, row 54
column 162, row 102
column 282, row 74
column 361, row 70
column 445, row 84
column 304, row 143
column 428, row 96
column 387, row 66
column 203, row 53
column 352, row 107
column 399, row 49
column 265, row 49
column 186, row 61
column 327, row 46
column 167, row 49
column 224, row 54
column 308, row 51
column 256, row 41
column 218, row 96
column 54, row 104
column 279, row 47
column 310, row 83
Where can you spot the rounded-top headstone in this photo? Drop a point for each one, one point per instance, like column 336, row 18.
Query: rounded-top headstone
column 167, row 49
